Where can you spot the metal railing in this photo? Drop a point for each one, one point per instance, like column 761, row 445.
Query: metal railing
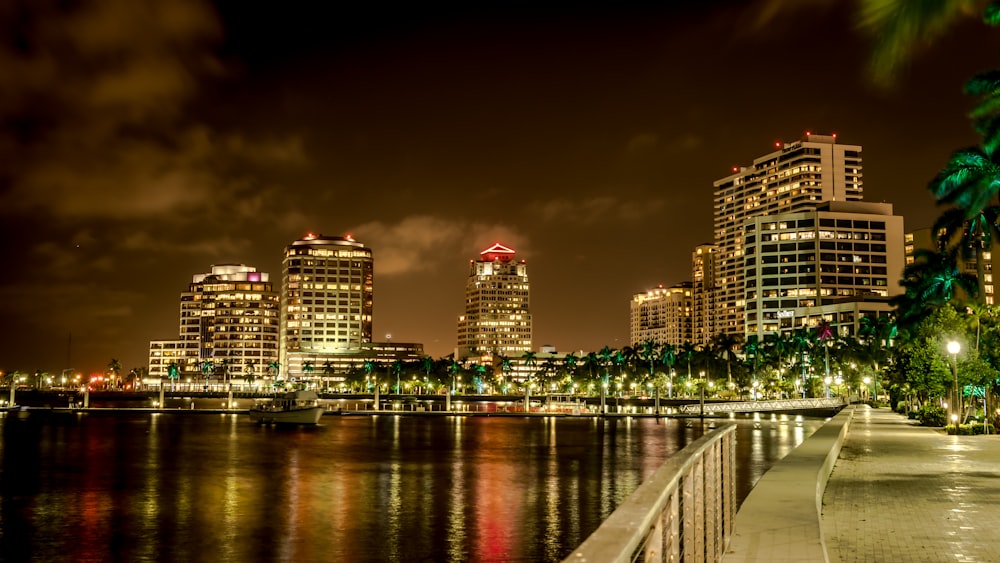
column 683, row 512
column 765, row 405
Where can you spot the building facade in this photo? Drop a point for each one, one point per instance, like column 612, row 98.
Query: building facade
column 663, row 315
column 793, row 177
column 229, row 325
column 835, row 262
column 327, row 298
column 703, row 292
column 497, row 319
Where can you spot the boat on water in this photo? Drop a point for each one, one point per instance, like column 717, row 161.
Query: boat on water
column 295, row 407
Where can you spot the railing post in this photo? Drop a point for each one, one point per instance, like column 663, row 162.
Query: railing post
column 683, row 512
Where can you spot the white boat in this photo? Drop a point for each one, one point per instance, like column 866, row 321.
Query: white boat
column 296, row 407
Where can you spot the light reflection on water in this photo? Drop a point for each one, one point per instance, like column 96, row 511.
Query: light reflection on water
column 183, row 487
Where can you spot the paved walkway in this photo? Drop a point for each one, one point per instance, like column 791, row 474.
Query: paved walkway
column 901, row 492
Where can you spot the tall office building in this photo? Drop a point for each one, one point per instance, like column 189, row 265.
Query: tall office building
column 327, row 304
column 497, row 317
column 794, row 177
column 703, row 290
column 228, row 317
column 326, row 300
column 837, row 262
column 663, row 315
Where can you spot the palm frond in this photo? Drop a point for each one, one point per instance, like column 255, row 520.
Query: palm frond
column 900, row 27
column 991, row 15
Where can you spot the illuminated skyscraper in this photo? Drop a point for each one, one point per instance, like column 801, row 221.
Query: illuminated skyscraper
column 228, row 321
column 663, row 315
column 703, row 292
column 326, row 300
column 497, row 317
column 795, row 176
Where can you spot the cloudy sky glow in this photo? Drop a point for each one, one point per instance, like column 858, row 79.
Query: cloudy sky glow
column 142, row 142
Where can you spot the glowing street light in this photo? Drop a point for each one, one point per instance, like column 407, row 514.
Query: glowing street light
column 954, row 348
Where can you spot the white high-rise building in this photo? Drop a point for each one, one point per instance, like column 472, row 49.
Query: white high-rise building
column 793, row 177
column 228, row 321
column 497, row 317
column 663, row 315
column 836, row 262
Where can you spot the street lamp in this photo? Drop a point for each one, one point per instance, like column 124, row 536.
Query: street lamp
column 953, row 348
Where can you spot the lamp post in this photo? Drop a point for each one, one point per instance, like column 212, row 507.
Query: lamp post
column 956, row 404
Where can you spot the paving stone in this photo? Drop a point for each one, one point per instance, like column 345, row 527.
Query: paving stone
column 902, row 492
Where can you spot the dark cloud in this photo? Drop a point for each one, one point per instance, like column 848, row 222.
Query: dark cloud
column 141, row 142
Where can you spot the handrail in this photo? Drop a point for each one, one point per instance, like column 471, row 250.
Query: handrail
column 764, row 405
column 683, row 512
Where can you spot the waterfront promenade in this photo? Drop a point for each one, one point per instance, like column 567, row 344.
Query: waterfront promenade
column 897, row 492
column 902, row 492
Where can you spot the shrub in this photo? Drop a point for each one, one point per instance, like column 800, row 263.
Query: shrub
column 931, row 415
column 912, row 415
column 972, row 429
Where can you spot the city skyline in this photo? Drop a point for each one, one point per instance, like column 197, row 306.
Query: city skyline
column 143, row 144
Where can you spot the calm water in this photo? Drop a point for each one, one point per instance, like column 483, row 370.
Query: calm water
column 195, row 487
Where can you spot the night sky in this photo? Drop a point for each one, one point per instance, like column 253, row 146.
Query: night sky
column 143, row 142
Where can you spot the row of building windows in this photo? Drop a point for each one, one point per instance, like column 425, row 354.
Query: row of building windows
column 824, row 280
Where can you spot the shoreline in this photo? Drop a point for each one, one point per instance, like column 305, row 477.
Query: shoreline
column 26, row 411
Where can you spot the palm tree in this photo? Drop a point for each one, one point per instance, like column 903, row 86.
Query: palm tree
column 824, row 333
column 397, row 368
column 569, row 364
column 307, row 369
column 724, row 347
column 370, row 367
column 328, row 371
column 752, row 350
column 668, row 356
column 114, row 366
column 250, row 371
column 547, row 372
column 606, row 356
column 877, row 334
column 932, row 280
column 173, row 373
column 477, row 380
column 801, row 342
column 455, row 369
column 275, row 369
column 687, row 353
column 592, row 362
column 899, row 27
column 207, row 367
column 777, row 348
column 647, row 351
column 972, row 235
column 505, row 366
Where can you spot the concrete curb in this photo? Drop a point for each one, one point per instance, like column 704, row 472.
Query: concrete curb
column 780, row 520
